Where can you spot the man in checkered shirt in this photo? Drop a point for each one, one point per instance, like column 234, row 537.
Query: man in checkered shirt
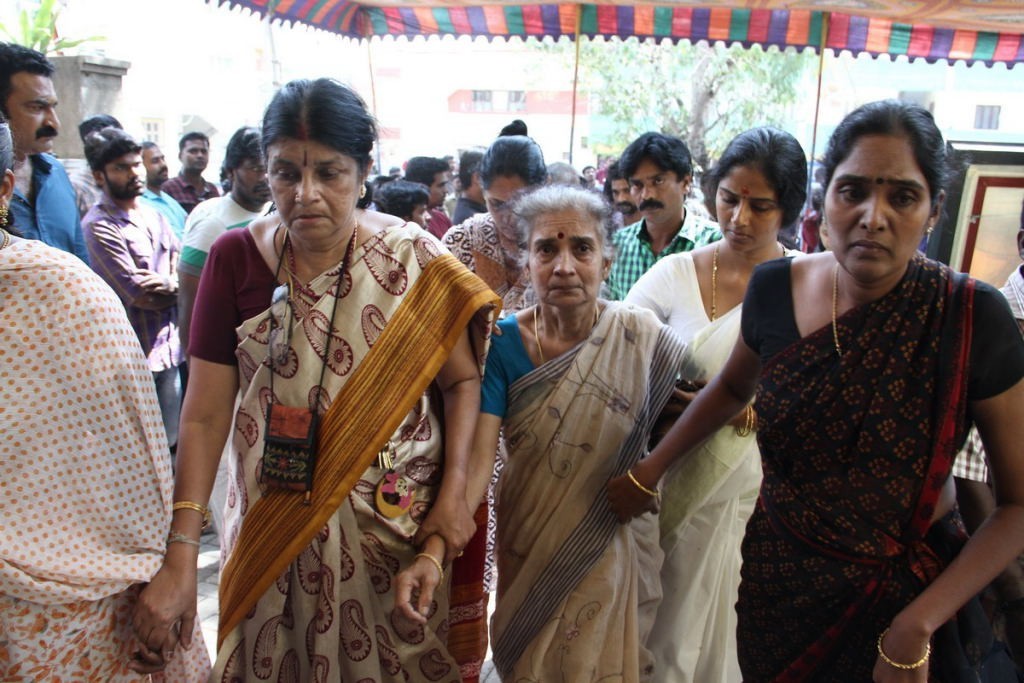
column 659, row 171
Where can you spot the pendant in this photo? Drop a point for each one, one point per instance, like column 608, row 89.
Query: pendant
column 395, row 494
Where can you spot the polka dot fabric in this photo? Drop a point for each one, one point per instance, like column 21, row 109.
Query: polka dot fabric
column 84, row 641
column 85, row 476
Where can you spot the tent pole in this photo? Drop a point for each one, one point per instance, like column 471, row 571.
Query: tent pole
column 575, row 81
column 817, row 99
column 373, row 94
column 275, row 63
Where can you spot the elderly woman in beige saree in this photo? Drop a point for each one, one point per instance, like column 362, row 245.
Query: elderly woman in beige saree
column 576, row 383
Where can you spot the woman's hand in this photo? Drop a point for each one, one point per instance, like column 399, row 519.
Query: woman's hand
column 146, row 661
column 450, row 516
column 740, row 421
column 452, row 520
column 628, row 500
column 884, row 673
column 166, row 608
column 419, row 581
column 902, row 645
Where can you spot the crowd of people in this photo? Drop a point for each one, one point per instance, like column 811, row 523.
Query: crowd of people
column 665, row 444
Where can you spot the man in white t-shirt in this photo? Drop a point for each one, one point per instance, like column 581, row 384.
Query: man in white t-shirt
column 248, row 198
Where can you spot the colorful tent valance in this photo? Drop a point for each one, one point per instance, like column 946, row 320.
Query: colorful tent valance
column 765, row 27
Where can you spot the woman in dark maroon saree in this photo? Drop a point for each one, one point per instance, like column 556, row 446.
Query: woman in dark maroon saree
column 865, row 390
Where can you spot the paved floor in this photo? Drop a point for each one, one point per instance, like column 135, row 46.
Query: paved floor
column 209, row 575
column 488, row 674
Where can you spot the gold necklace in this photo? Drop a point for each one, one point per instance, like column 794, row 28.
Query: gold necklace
column 714, row 279
column 6, row 238
column 714, row 283
column 536, row 329
column 536, row 333
column 835, row 309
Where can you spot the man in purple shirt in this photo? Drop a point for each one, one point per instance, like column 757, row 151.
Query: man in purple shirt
column 133, row 248
column 189, row 188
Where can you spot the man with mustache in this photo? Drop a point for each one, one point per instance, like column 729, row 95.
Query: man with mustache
column 616, row 191
column 154, row 196
column 43, row 206
column 134, row 250
column 189, row 188
column 660, row 172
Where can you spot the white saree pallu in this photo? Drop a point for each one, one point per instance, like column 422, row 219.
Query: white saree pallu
column 707, row 497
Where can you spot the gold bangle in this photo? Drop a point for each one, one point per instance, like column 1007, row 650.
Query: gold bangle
column 903, row 667
column 437, row 563
column 175, row 537
column 189, row 505
column 640, row 486
column 748, row 422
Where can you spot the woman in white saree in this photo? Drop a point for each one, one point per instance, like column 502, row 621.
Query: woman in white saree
column 576, row 383
column 758, row 186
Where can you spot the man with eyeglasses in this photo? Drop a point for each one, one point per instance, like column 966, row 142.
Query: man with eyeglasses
column 660, row 172
column 248, row 199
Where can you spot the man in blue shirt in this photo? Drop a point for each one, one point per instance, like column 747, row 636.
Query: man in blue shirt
column 156, row 175
column 43, row 206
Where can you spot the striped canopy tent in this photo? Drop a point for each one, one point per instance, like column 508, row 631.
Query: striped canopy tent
column 989, row 31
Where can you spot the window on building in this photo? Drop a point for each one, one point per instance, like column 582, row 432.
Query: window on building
column 517, row 100
column 986, row 117
column 483, row 100
column 153, row 129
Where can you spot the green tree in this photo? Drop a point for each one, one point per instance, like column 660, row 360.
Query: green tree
column 703, row 94
column 37, row 29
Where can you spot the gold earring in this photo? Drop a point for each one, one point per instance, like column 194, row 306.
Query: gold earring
column 362, row 191
column 3, row 215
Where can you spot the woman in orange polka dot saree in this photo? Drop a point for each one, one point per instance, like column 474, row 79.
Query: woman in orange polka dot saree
column 85, row 475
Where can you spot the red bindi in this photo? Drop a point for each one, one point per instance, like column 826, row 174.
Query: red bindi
column 561, row 235
column 745, row 192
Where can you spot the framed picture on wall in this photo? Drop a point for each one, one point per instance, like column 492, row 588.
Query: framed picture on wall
column 978, row 233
